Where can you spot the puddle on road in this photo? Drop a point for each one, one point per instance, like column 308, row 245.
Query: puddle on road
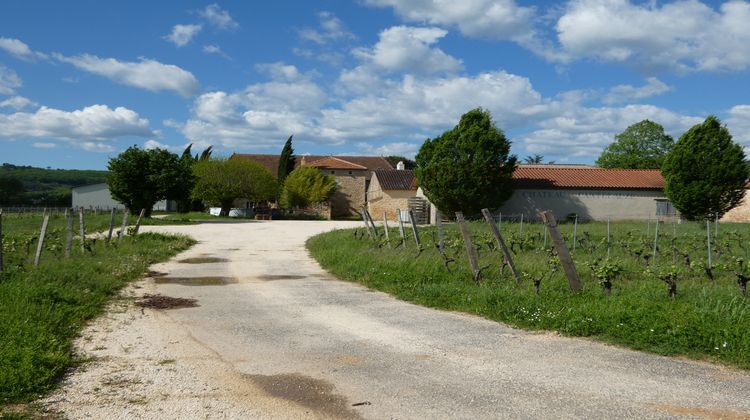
column 166, row 302
column 272, row 277
column 196, row 281
column 312, row 393
column 202, row 260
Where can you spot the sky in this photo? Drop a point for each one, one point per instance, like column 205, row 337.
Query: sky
column 81, row 81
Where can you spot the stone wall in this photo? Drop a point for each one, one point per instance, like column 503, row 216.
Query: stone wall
column 740, row 213
column 350, row 196
column 389, row 201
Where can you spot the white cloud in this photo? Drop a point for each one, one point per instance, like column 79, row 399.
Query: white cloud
column 93, row 124
column 738, row 124
column 684, row 35
column 218, row 17
column 146, row 74
column 181, row 35
column 9, row 81
column 331, row 29
column 493, row 19
column 625, row 93
column 408, row 150
column 17, row 102
column 403, row 48
column 19, row 49
column 215, row 49
column 91, row 146
column 44, row 145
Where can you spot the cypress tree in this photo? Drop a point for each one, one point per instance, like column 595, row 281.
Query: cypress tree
column 286, row 161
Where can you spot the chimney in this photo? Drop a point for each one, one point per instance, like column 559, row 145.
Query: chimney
column 302, row 162
column 400, row 166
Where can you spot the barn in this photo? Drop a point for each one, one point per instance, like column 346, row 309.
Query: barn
column 97, row 196
column 390, row 190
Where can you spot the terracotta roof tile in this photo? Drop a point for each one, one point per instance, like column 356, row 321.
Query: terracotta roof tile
column 559, row 176
column 371, row 163
column 331, row 162
column 396, row 180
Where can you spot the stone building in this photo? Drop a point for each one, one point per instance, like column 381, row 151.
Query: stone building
column 352, row 174
column 390, row 190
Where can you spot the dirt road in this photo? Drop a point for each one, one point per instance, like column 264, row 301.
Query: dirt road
column 274, row 336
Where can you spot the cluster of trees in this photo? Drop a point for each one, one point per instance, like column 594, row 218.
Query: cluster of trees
column 470, row 166
column 139, row 178
column 31, row 186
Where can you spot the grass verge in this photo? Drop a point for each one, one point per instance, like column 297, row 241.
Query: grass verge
column 706, row 321
column 43, row 309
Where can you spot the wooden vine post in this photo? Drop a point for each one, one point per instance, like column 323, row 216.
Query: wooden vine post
column 367, row 224
column 372, row 223
column 385, row 228
column 441, row 238
column 40, row 244
column 470, row 250
column 138, row 222
column 562, row 251
column 501, row 243
column 401, row 227
column 68, row 232
column 124, row 224
column 1, row 242
column 414, row 230
column 82, row 229
column 111, row 224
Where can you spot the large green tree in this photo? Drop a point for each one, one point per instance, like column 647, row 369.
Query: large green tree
column 467, row 168
column 138, row 178
column 11, row 191
column 219, row 182
column 306, row 185
column 286, row 161
column 643, row 145
column 705, row 172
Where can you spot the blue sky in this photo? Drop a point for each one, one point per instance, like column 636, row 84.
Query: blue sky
column 80, row 81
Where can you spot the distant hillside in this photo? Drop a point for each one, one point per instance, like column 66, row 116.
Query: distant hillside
column 30, row 186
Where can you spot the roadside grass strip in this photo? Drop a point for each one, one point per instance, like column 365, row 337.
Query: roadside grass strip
column 709, row 319
column 42, row 309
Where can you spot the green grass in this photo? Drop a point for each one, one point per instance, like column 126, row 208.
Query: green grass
column 707, row 320
column 43, row 309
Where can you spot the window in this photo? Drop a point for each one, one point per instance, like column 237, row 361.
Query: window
column 333, row 172
column 665, row 208
column 350, row 172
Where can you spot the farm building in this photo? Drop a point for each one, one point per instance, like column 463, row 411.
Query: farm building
column 97, row 196
column 589, row 192
column 352, row 174
column 390, row 190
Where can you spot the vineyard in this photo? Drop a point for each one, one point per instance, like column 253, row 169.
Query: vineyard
column 668, row 287
column 44, row 306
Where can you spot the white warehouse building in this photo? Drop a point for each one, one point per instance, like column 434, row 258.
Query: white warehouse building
column 97, row 196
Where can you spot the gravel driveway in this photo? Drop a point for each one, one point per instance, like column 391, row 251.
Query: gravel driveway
column 274, row 336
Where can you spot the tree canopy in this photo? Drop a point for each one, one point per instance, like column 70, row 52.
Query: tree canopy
column 643, row 145
column 138, row 178
column 219, row 182
column 11, row 190
column 705, row 172
column 467, row 168
column 306, row 185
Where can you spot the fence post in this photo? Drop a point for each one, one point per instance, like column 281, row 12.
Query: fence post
column 138, row 222
column 40, row 244
column 68, row 232
column 1, row 242
column 82, row 229
column 401, row 226
column 708, row 239
column 562, row 251
column 414, row 230
column 470, row 250
column 656, row 239
column 364, row 219
column 372, row 223
column 124, row 224
column 439, row 223
column 501, row 243
column 385, row 228
column 575, row 232
column 111, row 224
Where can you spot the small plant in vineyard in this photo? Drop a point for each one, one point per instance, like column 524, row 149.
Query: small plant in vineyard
column 741, row 276
column 668, row 276
column 605, row 271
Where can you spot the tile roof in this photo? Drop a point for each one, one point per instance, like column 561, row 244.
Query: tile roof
column 589, row 177
column 371, row 163
column 331, row 162
column 392, row 179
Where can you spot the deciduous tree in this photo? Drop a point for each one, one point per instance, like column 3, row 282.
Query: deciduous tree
column 219, row 182
column 467, row 168
column 306, row 185
column 643, row 145
column 139, row 178
column 705, row 172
